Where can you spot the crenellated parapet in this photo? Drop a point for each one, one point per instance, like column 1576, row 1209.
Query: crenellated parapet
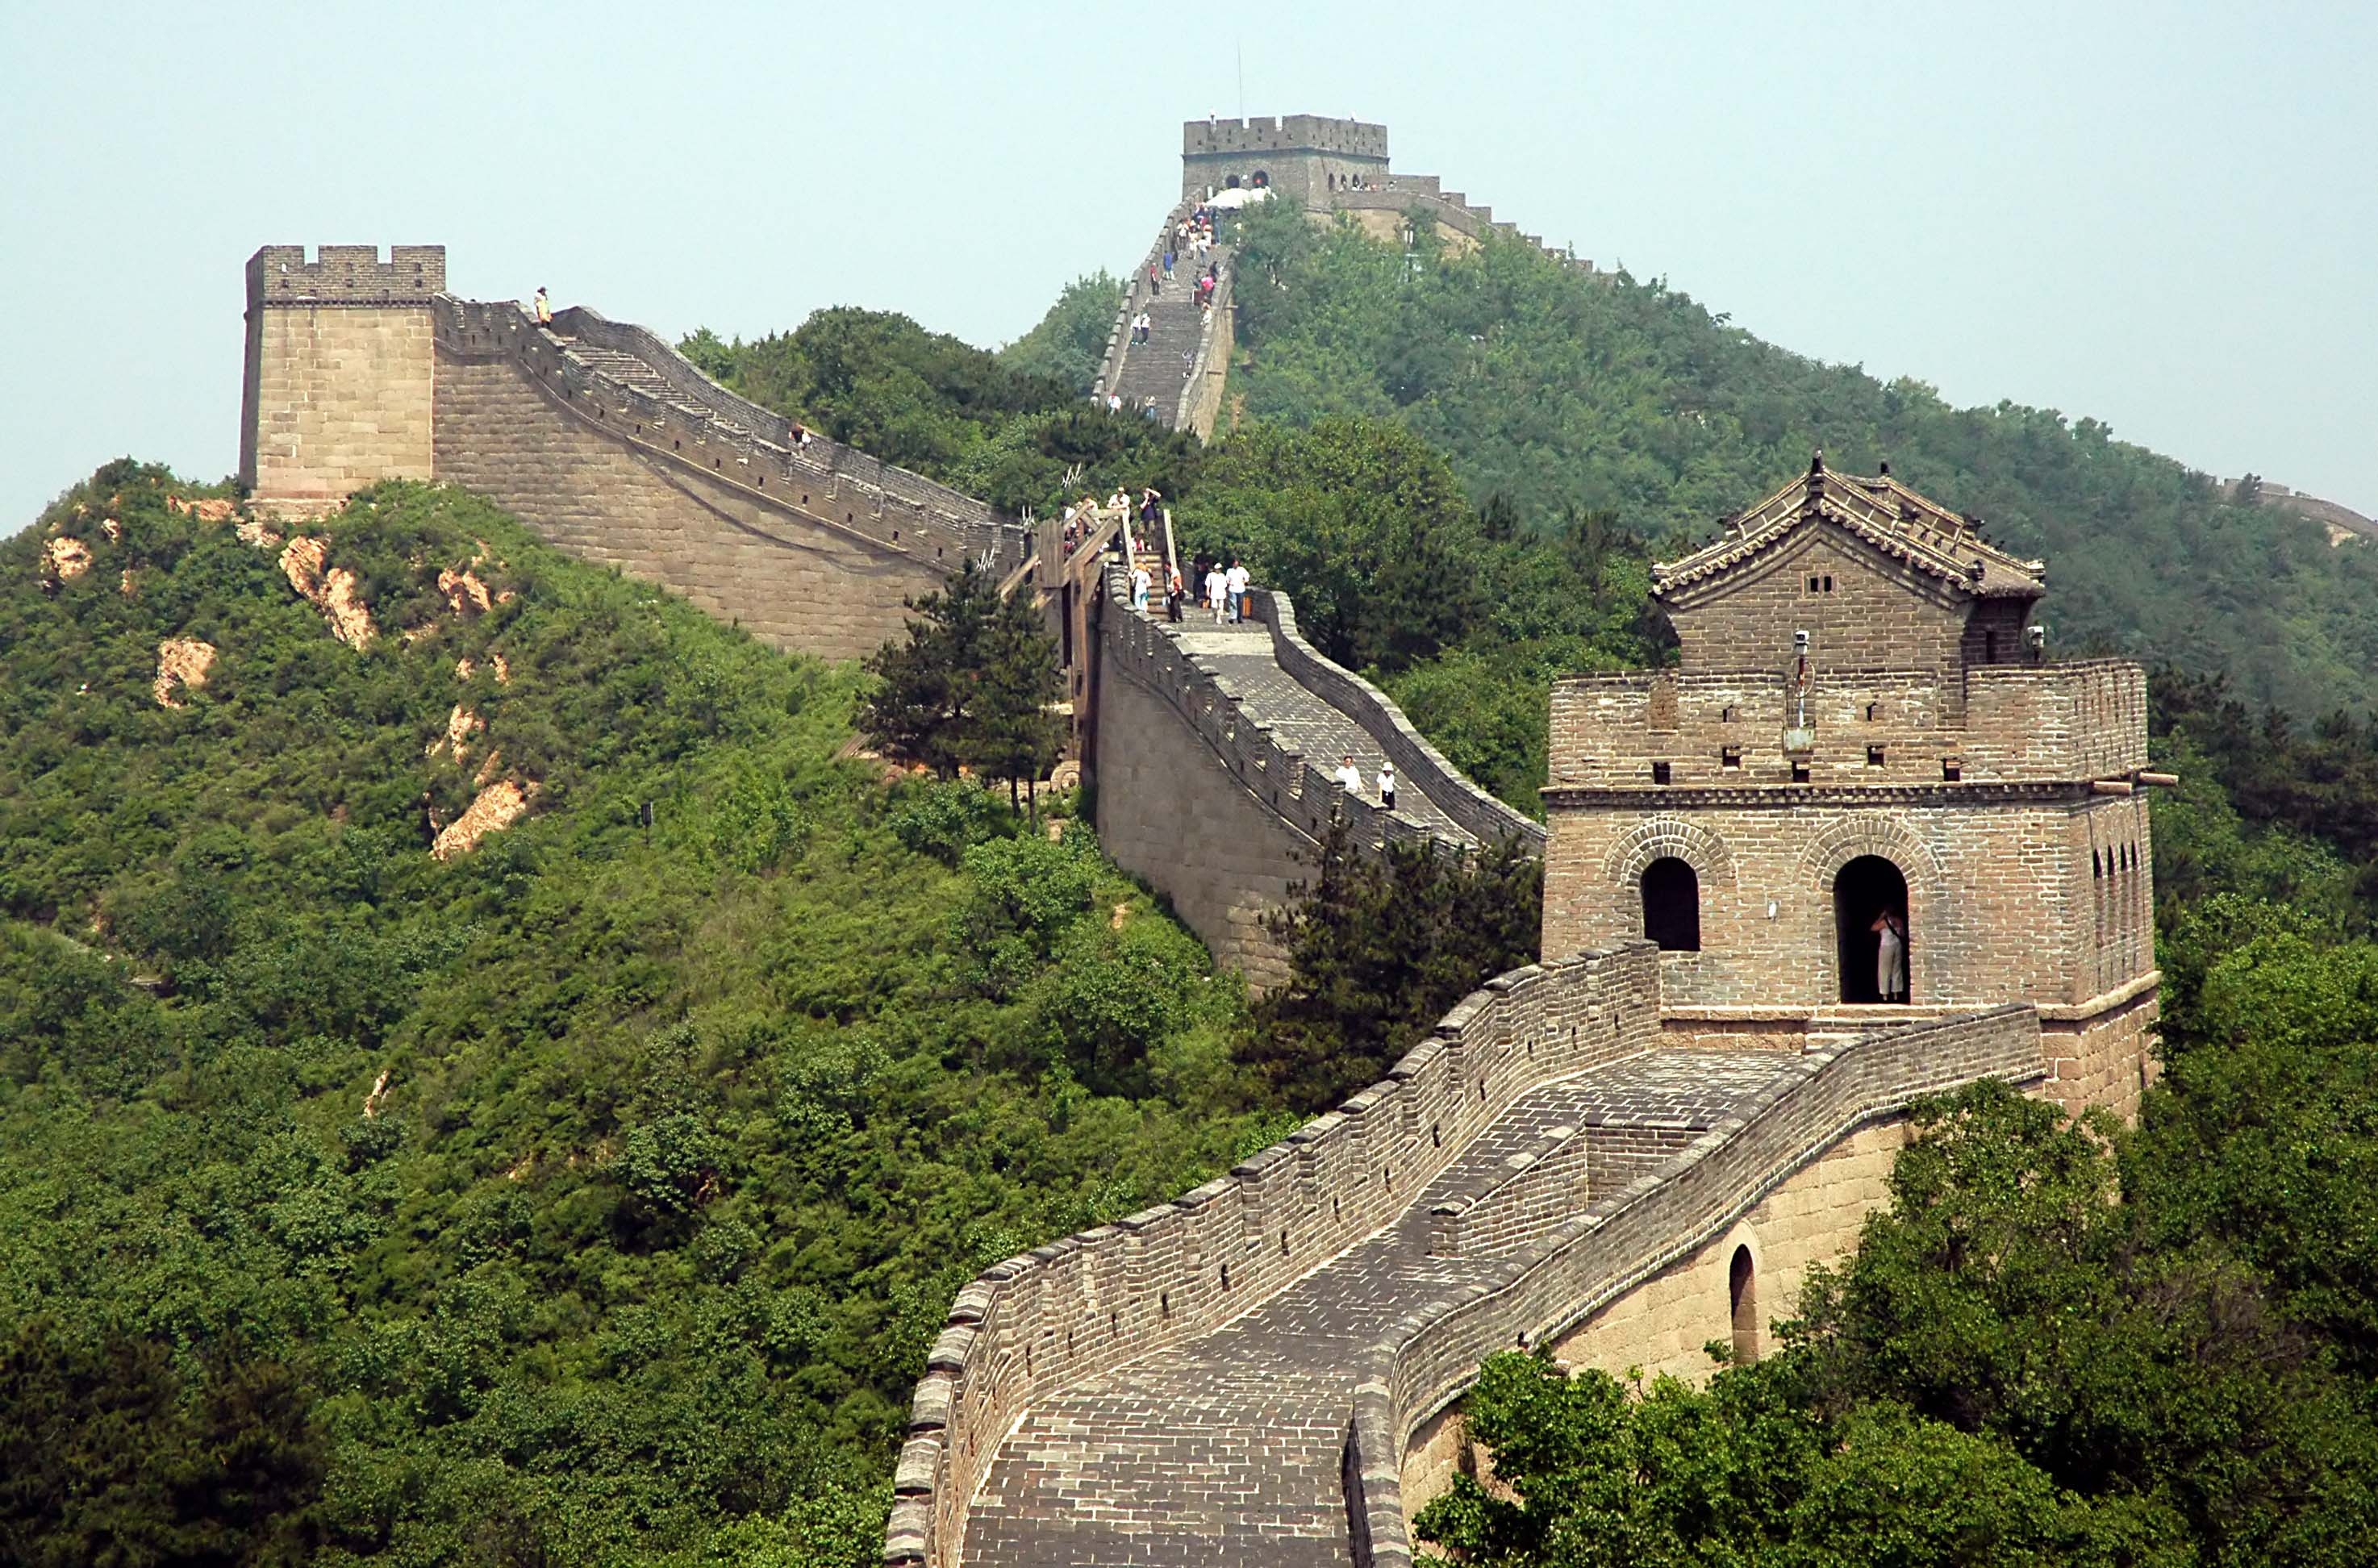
column 671, row 411
column 1623, row 1239
column 1061, row 1313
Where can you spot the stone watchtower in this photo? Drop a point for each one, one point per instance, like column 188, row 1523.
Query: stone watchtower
column 341, row 370
column 1863, row 723
column 1303, row 156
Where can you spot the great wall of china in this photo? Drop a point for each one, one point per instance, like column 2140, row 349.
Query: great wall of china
column 1631, row 1149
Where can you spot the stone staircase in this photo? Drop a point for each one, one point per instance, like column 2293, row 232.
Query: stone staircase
column 629, row 371
column 1178, row 331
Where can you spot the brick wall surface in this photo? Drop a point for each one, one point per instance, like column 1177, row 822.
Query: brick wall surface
column 1060, row 1314
column 789, row 580
column 342, row 397
column 1172, row 810
column 1749, row 1174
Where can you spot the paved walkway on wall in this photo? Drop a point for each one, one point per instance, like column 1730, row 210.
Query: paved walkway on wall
column 1176, row 326
column 1227, row 1450
column 1243, row 657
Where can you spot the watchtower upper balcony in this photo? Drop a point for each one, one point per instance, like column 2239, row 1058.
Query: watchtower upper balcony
column 1986, row 725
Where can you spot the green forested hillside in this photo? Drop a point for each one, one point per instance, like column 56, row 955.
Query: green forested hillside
column 587, row 1197
column 1555, row 389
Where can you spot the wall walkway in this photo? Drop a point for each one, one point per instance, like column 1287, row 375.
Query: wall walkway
column 1244, row 1375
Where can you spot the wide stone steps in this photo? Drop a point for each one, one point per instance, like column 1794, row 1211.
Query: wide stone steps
column 1226, row 1449
column 1160, row 367
column 626, row 369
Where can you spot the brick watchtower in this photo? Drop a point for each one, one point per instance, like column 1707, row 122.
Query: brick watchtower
column 341, row 370
column 1303, row 156
column 1862, row 722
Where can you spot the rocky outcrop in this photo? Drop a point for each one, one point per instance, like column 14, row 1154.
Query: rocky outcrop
column 332, row 589
column 182, row 665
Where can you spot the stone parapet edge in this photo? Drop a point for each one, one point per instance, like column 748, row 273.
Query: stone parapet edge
column 888, row 500
column 1274, row 1217
column 1431, row 1353
column 1476, row 812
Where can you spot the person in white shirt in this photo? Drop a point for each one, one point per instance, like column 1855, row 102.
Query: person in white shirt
column 1236, row 579
column 1218, row 590
column 1139, row 589
column 1348, row 777
column 1388, row 786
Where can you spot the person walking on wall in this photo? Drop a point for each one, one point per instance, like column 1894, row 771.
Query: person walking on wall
column 1236, row 581
column 1218, row 590
column 1172, row 595
column 1388, row 786
column 1167, row 261
column 1348, row 777
column 1890, row 956
column 1155, row 281
column 544, row 307
column 1139, row 589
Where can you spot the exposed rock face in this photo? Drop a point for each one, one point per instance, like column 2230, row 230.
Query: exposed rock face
column 255, row 532
column 461, row 725
column 498, row 807
column 212, row 510
column 180, row 662
column 113, row 529
column 69, row 559
column 464, row 592
column 331, row 589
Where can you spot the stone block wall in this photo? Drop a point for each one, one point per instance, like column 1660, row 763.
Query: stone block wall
column 1300, row 154
column 1862, row 610
column 1741, row 1173
column 814, row 550
column 1062, row 1312
column 1171, row 809
column 338, row 388
column 790, row 584
column 1999, row 902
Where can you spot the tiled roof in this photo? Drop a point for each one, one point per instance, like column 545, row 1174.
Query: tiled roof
column 1880, row 510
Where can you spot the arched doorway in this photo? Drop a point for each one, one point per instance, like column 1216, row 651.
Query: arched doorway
column 1230, row 183
column 1672, row 905
column 1866, row 889
column 1742, row 1299
column 1262, row 180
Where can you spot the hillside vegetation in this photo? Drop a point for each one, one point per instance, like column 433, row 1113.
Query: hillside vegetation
column 588, row 1197
column 1563, row 392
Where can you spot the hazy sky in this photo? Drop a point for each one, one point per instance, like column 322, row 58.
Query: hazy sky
column 2166, row 216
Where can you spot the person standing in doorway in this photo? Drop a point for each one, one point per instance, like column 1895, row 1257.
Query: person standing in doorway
column 1890, row 955
column 1388, row 786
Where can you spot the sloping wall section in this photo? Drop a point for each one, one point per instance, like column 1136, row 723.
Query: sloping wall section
column 605, row 441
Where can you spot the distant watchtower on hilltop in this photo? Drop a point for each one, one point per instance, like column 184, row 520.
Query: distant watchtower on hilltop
column 1303, row 156
column 341, row 371
column 1864, row 730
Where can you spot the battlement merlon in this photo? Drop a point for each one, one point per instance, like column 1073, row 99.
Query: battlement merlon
column 346, row 274
column 1285, row 133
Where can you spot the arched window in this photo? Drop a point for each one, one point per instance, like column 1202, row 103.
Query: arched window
column 1672, row 905
column 1742, row 1297
column 1871, row 903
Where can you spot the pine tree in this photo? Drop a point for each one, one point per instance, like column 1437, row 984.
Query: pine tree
column 1017, row 734
column 928, row 704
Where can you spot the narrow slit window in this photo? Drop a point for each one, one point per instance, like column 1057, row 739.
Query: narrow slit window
column 1874, row 756
column 1951, row 769
column 1730, row 757
column 1659, row 773
column 1799, row 772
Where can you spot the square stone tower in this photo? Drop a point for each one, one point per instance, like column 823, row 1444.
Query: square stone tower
column 341, row 370
column 1864, row 748
column 1302, row 156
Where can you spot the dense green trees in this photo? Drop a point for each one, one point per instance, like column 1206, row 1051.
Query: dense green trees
column 1067, row 344
column 1380, row 947
column 591, row 1198
column 2049, row 1348
column 971, row 686
column 1558, row 389
column 1008, row 427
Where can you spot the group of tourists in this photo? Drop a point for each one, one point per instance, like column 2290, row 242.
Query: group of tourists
column 1349, row 779
column 1226, row 590
column 1191, row 238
